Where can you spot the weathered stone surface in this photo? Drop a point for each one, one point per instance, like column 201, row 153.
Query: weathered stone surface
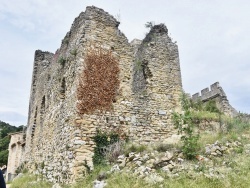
column 216, row 93
column 16, row 152
column 149, row 91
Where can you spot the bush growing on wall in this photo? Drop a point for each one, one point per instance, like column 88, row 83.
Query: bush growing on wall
column 98, row 83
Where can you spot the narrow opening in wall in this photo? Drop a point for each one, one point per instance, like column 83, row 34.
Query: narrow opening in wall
column 34, row 125
column 42, row 111
column 63, row 89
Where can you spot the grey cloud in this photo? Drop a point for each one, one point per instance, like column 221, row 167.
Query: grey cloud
column 13, row 118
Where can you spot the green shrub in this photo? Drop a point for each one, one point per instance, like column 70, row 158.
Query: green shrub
column 150, row 24
column 62, row 61
column 65, row 41
column 185, row 125
column 210, row 106
column 103, row 140
column 30, row 181
column 134, row 148
column 164, row 147
column 239, row 149
column 74, row 52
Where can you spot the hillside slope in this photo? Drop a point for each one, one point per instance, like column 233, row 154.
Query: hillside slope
column 6, row 128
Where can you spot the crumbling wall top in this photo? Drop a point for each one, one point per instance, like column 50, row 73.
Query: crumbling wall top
column 42, row 55
column 160, row 28
column 216, row 92
column 94, row 13
column 207, row 94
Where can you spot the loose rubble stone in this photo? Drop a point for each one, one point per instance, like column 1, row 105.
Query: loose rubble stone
column 57, row 185
column 154, row 178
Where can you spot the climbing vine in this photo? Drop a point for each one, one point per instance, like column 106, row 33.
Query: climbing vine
column 99, row 81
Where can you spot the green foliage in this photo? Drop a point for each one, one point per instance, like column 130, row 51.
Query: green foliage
column 62, row 61
column 237, row 124
column 201, row 167
column 138, row 66
column 210, row 106
column 65, row 41
column 196, row 105
column 5, row 129
column 4, row 144
column 135, row 148
column 21, row 169
column 30, row 181
column 74, row 52
column 185, row 125
column 103, row 140
column 239, row 149
column 149, row 24
column 186, row 102
column 4, row 157
column 164, row 147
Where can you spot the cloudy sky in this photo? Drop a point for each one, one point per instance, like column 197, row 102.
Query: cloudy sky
column 213, row 38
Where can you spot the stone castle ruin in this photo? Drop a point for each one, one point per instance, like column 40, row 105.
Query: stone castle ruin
column 216, row 93
column 59, row 139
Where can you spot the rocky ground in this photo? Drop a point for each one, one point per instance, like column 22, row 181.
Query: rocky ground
column 154, row 167
column 224, row 163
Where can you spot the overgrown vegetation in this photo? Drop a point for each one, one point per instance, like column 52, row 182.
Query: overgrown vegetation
column 62, row 61
column 21, row 169
column 5, row 129
column 30, row 181
column 99, row 82
column 230, row 170
column 103, row 140
column 73, row 52
column 185, row 124
column 150, row 24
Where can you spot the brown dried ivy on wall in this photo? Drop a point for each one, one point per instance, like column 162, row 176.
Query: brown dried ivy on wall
column 99, row 81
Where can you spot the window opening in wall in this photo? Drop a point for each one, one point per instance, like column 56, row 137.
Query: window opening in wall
column 63, row 89
column 42, row 111
column 34, row 125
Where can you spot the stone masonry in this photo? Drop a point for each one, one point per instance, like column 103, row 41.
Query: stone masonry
column 16, row 152
column 58, row 140
column 216, row 93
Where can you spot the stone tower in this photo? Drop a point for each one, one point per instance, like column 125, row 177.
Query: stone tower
column 59, row 140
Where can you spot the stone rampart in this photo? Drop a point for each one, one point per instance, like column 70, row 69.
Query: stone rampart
column 216, row 93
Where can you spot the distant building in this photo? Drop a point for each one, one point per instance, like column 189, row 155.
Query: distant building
column 16, row 151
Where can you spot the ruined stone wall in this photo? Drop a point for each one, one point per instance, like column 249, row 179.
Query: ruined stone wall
column 59, row 141
column 156, row 85
column 216, row 93
column 16, row 151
